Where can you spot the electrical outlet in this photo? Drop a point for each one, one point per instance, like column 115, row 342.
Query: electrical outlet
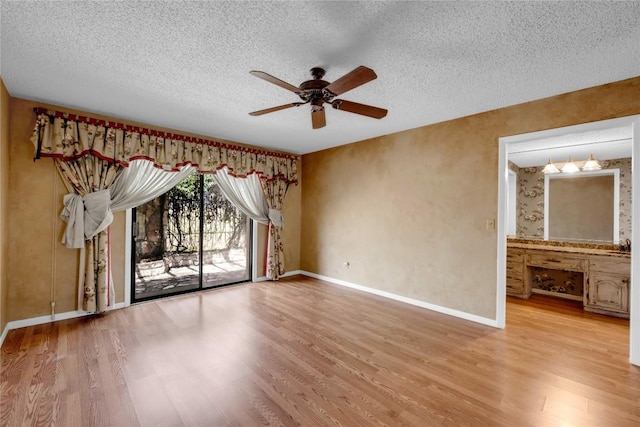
column 491, row 224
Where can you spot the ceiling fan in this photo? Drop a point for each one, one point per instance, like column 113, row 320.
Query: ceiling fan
column 318, row 92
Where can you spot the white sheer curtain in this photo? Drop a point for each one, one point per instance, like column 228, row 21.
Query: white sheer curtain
column 262, row 202
column 245, row 194
column 141, row 182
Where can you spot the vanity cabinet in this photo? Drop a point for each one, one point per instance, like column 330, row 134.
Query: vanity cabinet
column 515, row 272
column 606, row 274
column 607, row 287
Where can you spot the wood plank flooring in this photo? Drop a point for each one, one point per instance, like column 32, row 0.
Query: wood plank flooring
column 304, row 352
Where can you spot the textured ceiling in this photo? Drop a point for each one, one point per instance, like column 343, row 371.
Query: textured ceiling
column 613, row 143
column 185, row 65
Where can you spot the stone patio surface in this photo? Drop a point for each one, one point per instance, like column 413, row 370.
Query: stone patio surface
column 224, row 269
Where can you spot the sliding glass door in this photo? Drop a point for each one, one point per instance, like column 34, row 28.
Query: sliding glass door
column 188, row 239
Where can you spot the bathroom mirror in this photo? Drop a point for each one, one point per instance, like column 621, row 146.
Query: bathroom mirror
column 582, row 206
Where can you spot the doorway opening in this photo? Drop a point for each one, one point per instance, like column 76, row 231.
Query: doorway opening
column 188, row 239
column 563, row 141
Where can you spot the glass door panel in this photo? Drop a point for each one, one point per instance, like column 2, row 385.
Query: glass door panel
column 190, row 238
column 167, row 242
column 225, row 239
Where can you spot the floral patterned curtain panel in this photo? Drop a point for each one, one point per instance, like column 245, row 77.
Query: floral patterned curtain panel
column 90, row 153
column 90, row 177
column 275, row 191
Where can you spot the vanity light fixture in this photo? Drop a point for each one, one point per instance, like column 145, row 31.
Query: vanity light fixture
column 592, row 164
column 550, row 168
column 570, row 167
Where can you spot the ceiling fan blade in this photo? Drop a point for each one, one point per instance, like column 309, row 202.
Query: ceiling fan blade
column 276, row 81
column 278, row 108
column 318, row 119
column 351, row 80
column 362, row 109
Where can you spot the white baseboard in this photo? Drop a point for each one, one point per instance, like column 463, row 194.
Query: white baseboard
column 4, row 334
column 428, row 306
column 16, row 324
column 287, row 274
column 292, row 273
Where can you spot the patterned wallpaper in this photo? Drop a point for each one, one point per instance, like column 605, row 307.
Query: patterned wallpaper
column 530, row 199
column 530, row 202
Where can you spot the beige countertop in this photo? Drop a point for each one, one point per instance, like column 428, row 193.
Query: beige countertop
column 568, row 247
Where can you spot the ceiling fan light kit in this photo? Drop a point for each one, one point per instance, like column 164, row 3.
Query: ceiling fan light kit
column 318, row 92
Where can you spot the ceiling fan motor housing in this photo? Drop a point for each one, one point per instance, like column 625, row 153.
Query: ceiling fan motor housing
column 313, row 89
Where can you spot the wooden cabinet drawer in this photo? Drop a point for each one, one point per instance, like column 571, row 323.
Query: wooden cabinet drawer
column 515, row 286
column 556, row 262
column 515, row 273
column 515, row 255
column 515, row 264
column 617, row 265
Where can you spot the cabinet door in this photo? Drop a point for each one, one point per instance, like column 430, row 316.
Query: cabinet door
column 608, row 292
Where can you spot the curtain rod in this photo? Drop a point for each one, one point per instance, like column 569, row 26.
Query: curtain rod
column 153, row 132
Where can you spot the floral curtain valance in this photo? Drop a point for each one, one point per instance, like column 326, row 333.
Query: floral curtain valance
column 68, row 137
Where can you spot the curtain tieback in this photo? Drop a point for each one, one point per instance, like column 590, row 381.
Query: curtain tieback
column 86, row 216
column 72, row 214
column 275, row 216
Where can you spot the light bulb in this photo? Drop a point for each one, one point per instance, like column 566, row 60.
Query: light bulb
column 592, row 164
column 550, row 168
column 570, row 167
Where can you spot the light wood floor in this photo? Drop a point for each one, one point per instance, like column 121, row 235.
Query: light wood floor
column 304, row 352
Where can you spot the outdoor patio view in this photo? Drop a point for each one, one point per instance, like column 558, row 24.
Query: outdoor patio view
column 189, row 238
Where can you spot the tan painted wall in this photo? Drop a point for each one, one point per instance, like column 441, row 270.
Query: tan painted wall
column 408, row 210
column 4, row 198
column 292, row 225
column 38, row 261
